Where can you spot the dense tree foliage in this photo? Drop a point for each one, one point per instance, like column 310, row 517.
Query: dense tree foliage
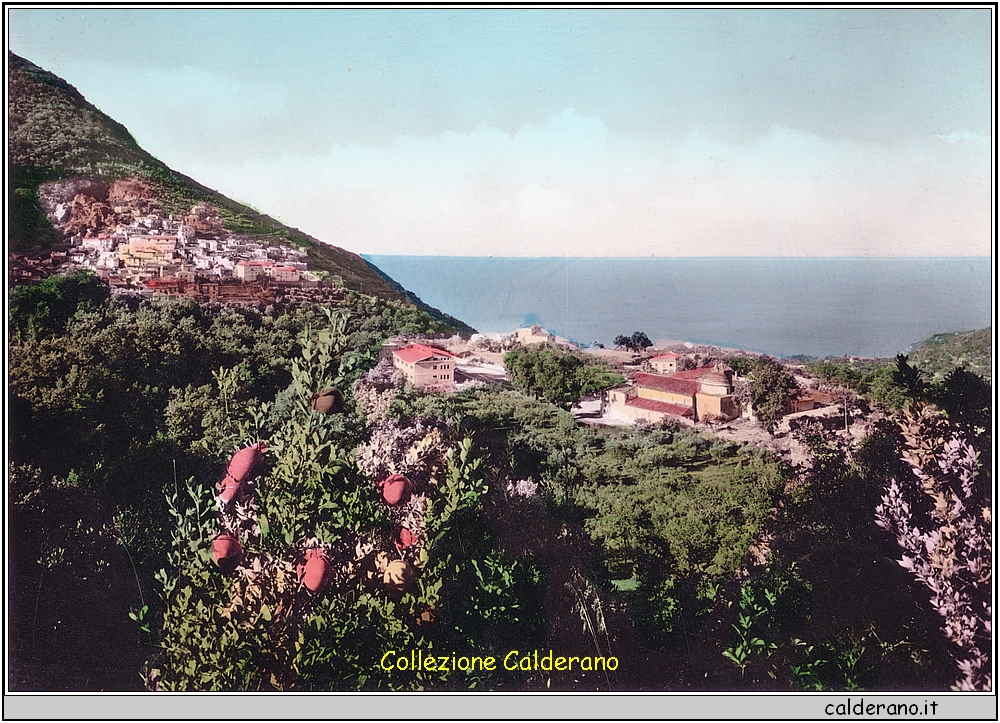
column 965, row 398
column 46, row 307
column 874, row 380
column 949, row 548
column 28, row 224
column 771, row 388
column 126, row 399
column 258, row 632
column 909, row 377
column 861, row 628
column 740, row 364
column 558, row 376
column 669, row 511
column 963, row 395
column 673, row 512
column 638, row 341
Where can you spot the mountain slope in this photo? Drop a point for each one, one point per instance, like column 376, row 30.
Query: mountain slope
column 971, row 350
column 56, row 134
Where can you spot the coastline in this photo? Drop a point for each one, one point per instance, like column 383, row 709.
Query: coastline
column 819, row 307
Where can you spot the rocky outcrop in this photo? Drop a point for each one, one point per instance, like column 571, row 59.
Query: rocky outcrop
column 57, row 197
column 84, row 205
column 132, row 194
column 87, row 214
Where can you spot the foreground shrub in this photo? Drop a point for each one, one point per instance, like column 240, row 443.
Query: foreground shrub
column 948, row 547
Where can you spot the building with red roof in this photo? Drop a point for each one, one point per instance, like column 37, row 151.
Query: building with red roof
column 665, row 363
column 257, row 268
column 167, row 285
column 425, row 366
column 687, row 396
column 676, row 386
column 676, row 410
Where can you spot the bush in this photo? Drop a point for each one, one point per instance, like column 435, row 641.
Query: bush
column 557, row 376
column 771, row 389
column 947, row 549
column 263, row 630
column 47, row 307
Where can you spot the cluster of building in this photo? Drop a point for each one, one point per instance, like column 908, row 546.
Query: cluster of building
column 688, row 396
column 160, row 256
column 170, row 249
column 703, row 394
column 35, row 266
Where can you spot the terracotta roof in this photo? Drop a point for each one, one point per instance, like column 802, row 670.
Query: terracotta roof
column 678, row 410
column 814, row 395
column 165, row 281
column 694, row 373
column 419, row 352
column 667, row 355
column 674, row 383
column 256, row 262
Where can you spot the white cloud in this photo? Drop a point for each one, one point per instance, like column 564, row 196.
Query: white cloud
column 567, row 186
column 538, row 201
column 966, row 136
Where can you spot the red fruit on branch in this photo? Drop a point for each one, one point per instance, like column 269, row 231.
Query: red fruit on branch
column 396, row 489
column 405, row 538
column 313, row 572
column 240, row 468
column 227, row 552
column 244, row 461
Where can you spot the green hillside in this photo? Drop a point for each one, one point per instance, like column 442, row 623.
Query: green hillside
column 55, row 134
column 942, row 353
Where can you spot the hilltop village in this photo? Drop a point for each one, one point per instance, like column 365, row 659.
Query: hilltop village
column 138, row 250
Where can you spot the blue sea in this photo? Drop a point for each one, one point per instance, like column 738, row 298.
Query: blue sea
column 780, row 306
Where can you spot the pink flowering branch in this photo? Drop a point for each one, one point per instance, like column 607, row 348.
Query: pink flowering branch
column 949, row 551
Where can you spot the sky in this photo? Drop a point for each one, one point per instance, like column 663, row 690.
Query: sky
column 643, row 132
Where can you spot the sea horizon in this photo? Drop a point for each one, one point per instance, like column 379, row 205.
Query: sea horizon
column 674, row 258
column 780, row 305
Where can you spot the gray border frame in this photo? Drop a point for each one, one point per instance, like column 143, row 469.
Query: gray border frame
column 499, row 706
